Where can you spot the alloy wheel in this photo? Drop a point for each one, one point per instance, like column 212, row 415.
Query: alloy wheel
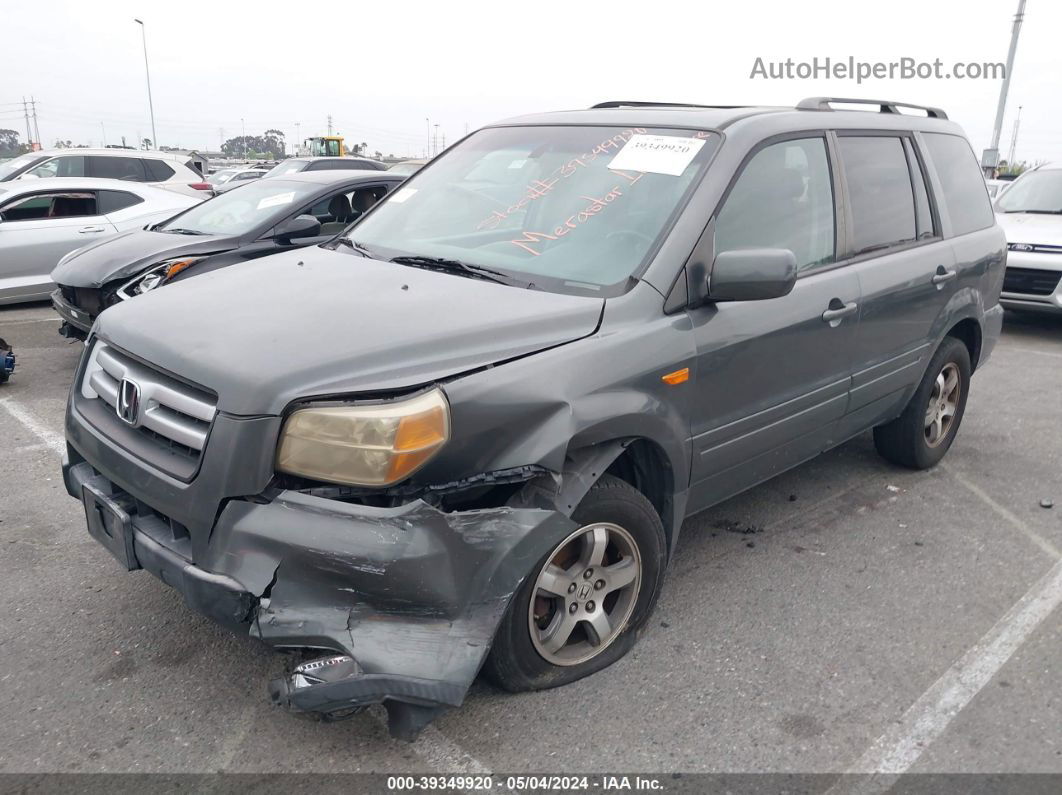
column 943, row 404
column 585, row 594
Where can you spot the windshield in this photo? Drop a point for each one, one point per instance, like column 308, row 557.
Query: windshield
column 12, row 167
column 287, row 167
column 566, row 208
column 1034, row 192
column 238, row 212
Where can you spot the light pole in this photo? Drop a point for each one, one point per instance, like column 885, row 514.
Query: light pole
column 147, row 73
column 990, row 157
column 298, row 140
column 243, row 136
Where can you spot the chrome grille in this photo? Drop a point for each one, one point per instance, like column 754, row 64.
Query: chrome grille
column 169, row 411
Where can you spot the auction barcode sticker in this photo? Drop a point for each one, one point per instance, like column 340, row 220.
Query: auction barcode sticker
column 657, row 154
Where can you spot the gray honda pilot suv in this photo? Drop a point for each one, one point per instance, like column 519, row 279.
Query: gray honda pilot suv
column 465, row 433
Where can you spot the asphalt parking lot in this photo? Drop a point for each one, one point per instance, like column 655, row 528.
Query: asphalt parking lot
column 848, row 615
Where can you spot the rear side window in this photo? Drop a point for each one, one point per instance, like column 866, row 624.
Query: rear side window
column 783, row 198
column 879, row 191
column 72, row 204
column 111, row 201
column 157, row 171
column 965, row 194
column 332, row 165
column 131, row 168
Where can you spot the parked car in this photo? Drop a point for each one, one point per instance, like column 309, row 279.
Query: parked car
column 7, row 361
column 43, row 220
column 262, row 218
column 408, row 167
column 296, row 164
column 160, row 169
column 466, row 432
column 228, row 178
column 1030, row 212
column 996, row 186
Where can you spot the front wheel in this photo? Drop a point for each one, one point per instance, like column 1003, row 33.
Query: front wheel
column 921, row 436
column 581, row 607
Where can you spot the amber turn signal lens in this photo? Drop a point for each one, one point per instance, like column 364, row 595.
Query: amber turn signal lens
column 677, row 377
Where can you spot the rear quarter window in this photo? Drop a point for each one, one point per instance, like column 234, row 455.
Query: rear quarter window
column 130, row 168
column 111, row 201
column 965, row 194
column 157, row 171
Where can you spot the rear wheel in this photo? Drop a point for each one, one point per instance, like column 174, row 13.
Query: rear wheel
column 921, row 436
column 581, row 607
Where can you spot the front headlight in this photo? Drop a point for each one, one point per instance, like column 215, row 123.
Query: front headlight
column 158, row 274
column 365, row 445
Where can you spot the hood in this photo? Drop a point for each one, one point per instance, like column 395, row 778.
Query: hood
column 1033, row 228
column 316, row 322
column 127, row 253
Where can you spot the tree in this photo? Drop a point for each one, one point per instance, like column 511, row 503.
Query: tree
column 9, row 145
column 269, row 145
column 145, row 144
column 61, row 144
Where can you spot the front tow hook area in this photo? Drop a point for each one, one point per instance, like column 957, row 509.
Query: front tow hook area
column 335, row 687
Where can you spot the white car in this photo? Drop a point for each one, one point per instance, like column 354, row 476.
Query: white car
column 1030, row 212
column 228, row 178
column 43, row 220
column 161, row 169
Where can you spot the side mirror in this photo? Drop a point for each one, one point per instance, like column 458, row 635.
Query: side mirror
column 752, row 274
column 299, row 226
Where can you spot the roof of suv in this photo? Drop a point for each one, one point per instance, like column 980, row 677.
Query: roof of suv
column 325, row 177
column 882, row 114
column 153, row 154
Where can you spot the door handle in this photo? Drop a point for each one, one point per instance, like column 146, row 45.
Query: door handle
column 90, row 229
column 943, row 276
column 840, row 312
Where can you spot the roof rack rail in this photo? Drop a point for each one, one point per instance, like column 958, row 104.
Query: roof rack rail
column 639, row 104
column 884, row 105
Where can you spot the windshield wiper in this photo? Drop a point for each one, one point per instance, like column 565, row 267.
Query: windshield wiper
column 179, row 231
column 452, row 266
column 1036, row 212
column 351, row 244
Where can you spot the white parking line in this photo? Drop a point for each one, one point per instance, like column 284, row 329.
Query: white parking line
column 443, row 754
column 1013, row 520
column 439, row 751
column 33, row 320
column 1019, row 349
column 49, row 437
column 901, row 746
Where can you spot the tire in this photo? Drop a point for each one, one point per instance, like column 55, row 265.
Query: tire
column 634, row 532
column 911, row 440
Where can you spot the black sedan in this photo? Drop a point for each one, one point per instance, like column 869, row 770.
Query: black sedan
column 261, row 218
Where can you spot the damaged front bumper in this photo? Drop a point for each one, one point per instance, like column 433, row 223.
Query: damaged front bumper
column 401, row 603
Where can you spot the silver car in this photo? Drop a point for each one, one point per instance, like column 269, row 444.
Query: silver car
column 42, row 220
column 1030, row 212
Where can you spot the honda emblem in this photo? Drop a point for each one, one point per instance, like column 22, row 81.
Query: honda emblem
column 128, row 405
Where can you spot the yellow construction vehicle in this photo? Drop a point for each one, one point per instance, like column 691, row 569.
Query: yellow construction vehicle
column 323, row 146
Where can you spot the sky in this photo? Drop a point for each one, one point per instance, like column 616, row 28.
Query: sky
column 388, row 72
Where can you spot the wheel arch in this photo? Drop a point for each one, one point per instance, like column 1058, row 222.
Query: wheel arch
column 968, row 331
